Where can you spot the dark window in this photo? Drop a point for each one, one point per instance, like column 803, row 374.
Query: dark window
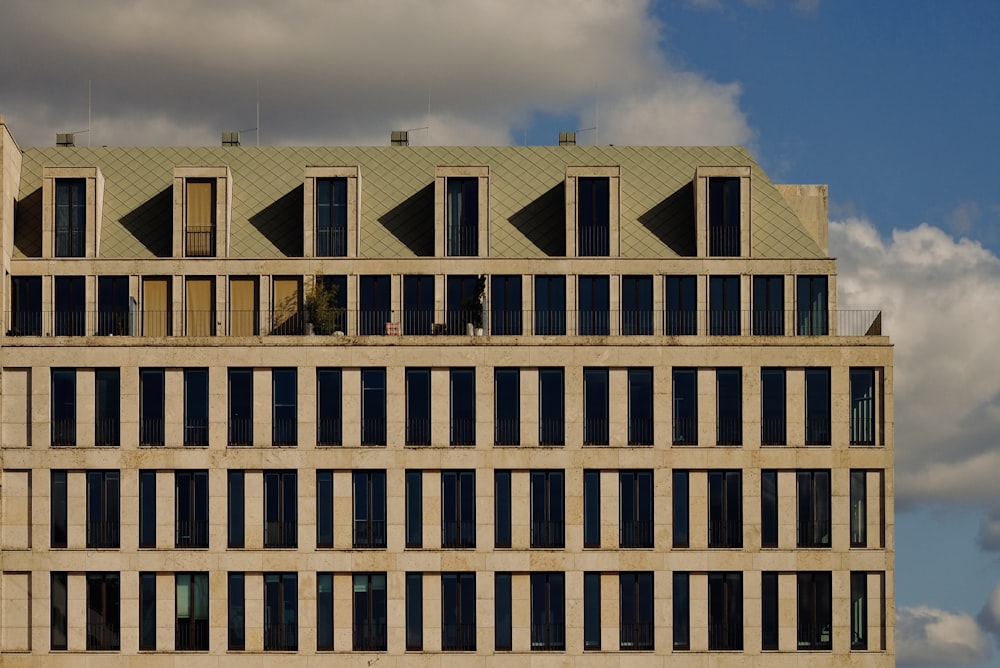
column 768, row 305
column 724, row 305
column 58, row 619
column 191, row 508
column 682, row 518
column 548, row 611
column 636, row 508
column 595, row 406
column 240, row 406
column 147, row 508
column 103, row 514
column 729, row 396
column 331, row 217
column 594, row 303
column 114, row 315
column 25, row 306
column 237, row 611
column 724, row 216
column 812, row 311
column 591, row 508
column 817, row 407
column 63, row 407
column 640, row 406
column 414, row 508
column 813, row 492
column 281, row 509
column 463, row 406
column 681, row 302
column 591, row 610
column 236, row 516
column 418, row 304
column 414, row 612
column 859, row 509
column 458, row 612
column 547, row 509
column 326, row 305
column 458, row 509
column 503, row 605
column 58, row 509
column 815, row 611
column 373, row 426
column 769, row 508
column 285, row 415
column 682, row 611
column 329, row 420
column 725, row 509
column 369, row 612
column 465, row 305
column 375, row 304
column 637, row 622
column 369, row 509
column 103, row 612
column 507, row 409
column 685, row 386
column 863, row 406
column 637, row 305
column 200, row 202
column 151, row 406
column 324, row 508
column 769, row 610
column 550, row 305
column 195, row 406
column 859, row 610
column 191, row 606
column 71, row 318
column 501, row 484
column 551, row 418
column 462, row 214
column 594, row 214
column 281, row 612
column 71, row 217
column 772, row 407
column 725, row 611
column 107, row 407
column 505, row 305
column 147, row 611
column 324, row 611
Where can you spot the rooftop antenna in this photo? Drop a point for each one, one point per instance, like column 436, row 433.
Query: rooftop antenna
column 258, row 114
column 89, row 107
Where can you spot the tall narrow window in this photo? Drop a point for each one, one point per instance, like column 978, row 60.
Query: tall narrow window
column 63, row 407
column 640, row 406
column 682, row 520
column 550, row 305
column 25, row 306
column 772, row 407
column 458, row 509
column 682, row 611
column 59, row 611
column 156, row 310
column 507, row 407
column 152, row 401
column 725, row 611
column 287, row 300
column 859, row 509
column 114, row 317
column 369, row 509
column 70, row 313
column 107, row 408
column 769, row 508
column 71, row 217
column 324, row 508
column 147, row 508
column 414, row 612
column 331, row 217
column 595, row 406
column 285, row 416
column 768, row 305
column 147, row 611
column 370, row 612
column 769, row 610
column 636, row 509
column 724, row 216
column 200, row 306
column 103, row 612
column 729, row 406
column 191, row 509
column 591, row 610
column 685, row 386
column 818, row 406
column 414, row 508
column 241, row 406
column 375, row 304
column 329, row 407
column 863, row 406
column 418, row 406
column 103, row 509
column 462, row 213
column 464, row 303
column 859, row 610
column 593, row 215
column 418, row 304
column 637, row 305
column 725, row 509
column 502, row 613
column 815, row 610
column 195, row 406
column 724, row 305
column 812, row 305
column 502, row 512
column 244, row 305
column 681, row 306
column 373, row 426
column 463, row 406
column 58, row 509
column 505, row 305
column 594, row 304
column 236, row 516
column 813, row 491
column 326, row 304
column 236, row 618
column 199, row 231
column 592, row 508
column 191, row 606
column 458, row 612
column 637, row 623
column 281, row 509
column 281, row 612
column 551, row 417
column 548, row 511
column 548, row 611
column 324, row 612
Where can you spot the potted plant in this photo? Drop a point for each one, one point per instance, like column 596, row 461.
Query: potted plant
column 472, row 307
column 324, row 315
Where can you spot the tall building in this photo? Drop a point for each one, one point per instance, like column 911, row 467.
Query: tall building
column 447, row 404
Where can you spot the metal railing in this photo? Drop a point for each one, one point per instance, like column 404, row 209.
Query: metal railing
column 813, row 636
column 818, row 430
column 331, row 242
column 548, row 534
column 102, row 636
column 418, row 431
column 104, row 535
column 813, row 533
column 281, row 534
column 463, row 240
column 373, row 431
column 196, row 432
column 329, row 431
column 191, row 635
column 71, row 242
column 151, row 431
column 285, row 432
column 280, row 637
column 685, row 431
column 369, row 637
column 199, row 241
column 463, row 431
column 637, row 533
column 636, row 636
column 725, row 534
column 724, row 241
column 191, row 534
column 507, row 431
column 458, row 637
column 773, row 431
column 458, row 534
column 107, row 432
column 640, row 431
column 593, row 240
column 551, row 431
column 595, row 431
column 240, row 432
column 729, row 431
column 550, row 636
column 725, row 637
column 63, row 432
column 369, row 533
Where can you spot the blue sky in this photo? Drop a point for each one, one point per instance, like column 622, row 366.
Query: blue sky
column 893, row 104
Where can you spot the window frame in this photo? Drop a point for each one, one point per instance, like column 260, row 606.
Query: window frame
column 281, row 636
column 685, row 416
column 814, row 606
column 325, row 629
column 107, row 407
column 814, row 526
column 329, row 399
column 462, row 406
column 147, row 508
column 681, row 305
column 550, row 305
column 591, row 508
column 725, row 500
column 152, row 406
column 414, row 508
column 458, row 612
column 103, row 611
column 551, row 406
column 324, row 508
column 370, row 634
column 729, row 406
column 502, row 533
column 458, row 509
column 725, row 625
column 284, row 406
column 69, row 312
column 281, row 503
column 370, row 482
column 506, row 317
column 817, row 410
column 507, row 396
column 191, row 528
column 594, row 305
column 418, row 304
column 773, row 406
column 196, row 637
column 548, row 508
column 724, row 305
column 103, row 509
column 240, row 425
column 196, row 406
column 596, row 410
column 548, row 611
column 63, row 418
column 373, row 406
column 636, row 509
column 637, row 626
column 863, row 406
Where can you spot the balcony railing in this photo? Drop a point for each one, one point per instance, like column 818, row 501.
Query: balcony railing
column 418, row 431
column 594, row 240
column 199, row 241
column 151, row 431
column 329, row 431
column 107, row 432
column 196, row 432
column 638, row 533
column 640, row 431
column 369, row 533
column 548, row 534
column 192, row 534
column 595, row 431
column 458, row 637
column 729, row 431
column 281, row 637
column 281, row 534
column 818, row 430
column 373, row 431
column 507, row 431
column 71, row 242
column 463, row 241
column 636, row 636
column 103, row 535
column 549, row 636
column 463, row 431
column 191, row 635
column 551, row 431
column 685, row 431
column 813, row 533
column 63, row 432
column 102, row 636
column 331, row 242
column 725, row 534
column 284, row 432
column 812, row 636
column 240, row 431
column 457, row 534
column 725, row 637
column 370, row 637
column 773, row 431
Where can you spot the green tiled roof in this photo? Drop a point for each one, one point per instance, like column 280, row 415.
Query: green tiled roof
column 526, row 191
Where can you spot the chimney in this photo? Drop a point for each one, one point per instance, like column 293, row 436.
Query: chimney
column 230, row 138
column 65, row 139
column 567, row 139
column 400, row 138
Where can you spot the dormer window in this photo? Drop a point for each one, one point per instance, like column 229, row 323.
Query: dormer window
column 203, row 205
column 592, row 211
column 722, row 211
column 199, row 218
column 461, row 211
column 71, row 217
column 331, row 213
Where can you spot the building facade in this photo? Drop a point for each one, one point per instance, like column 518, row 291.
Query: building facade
column 446, row 404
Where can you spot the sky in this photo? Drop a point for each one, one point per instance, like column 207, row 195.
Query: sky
column 893, row 104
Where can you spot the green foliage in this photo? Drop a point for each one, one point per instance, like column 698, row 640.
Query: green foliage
column 322, row 308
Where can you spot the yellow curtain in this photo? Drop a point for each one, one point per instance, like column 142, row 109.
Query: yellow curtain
column 286, row 306
column 242, row 307
column 200, row 230
column 200, row 307
column 155, row 307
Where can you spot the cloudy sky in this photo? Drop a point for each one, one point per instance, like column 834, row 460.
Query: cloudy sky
column 895, row 105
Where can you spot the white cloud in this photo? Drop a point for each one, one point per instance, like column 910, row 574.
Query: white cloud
column 989, row 616
column 928, row 636
column 988, row 537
